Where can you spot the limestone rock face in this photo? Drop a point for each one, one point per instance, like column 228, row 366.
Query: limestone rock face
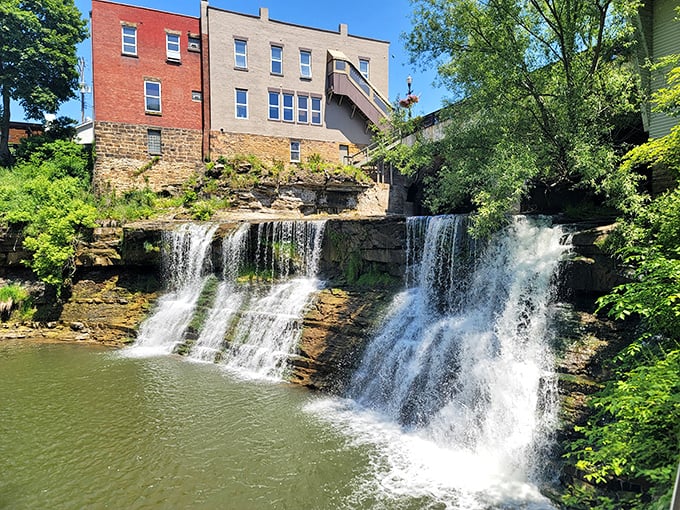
column 335, row 333
column 590, row 272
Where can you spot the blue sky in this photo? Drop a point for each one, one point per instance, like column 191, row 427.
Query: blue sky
column 380, row 19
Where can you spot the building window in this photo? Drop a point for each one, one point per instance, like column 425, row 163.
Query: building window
column 152, row 96
column 294, row 151
column 288, row 107
column 240, row 54
column 172, row 46
column 303, row 109
column 129, row 40
column 344, row 154
column 305, row 64
column 364, row 67
column 316, row 111
column 154, row 141
column 241, row 104
column 194, row 43
column 274, row 106
column 196, row 95
column 277, row 60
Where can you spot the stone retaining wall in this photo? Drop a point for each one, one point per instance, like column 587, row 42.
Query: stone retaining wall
column 123, row 161
column 273, row 148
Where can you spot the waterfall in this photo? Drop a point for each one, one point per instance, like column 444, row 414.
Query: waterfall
column 228, row 298
column 462, row 364
column 186, row 263
column 288, row 252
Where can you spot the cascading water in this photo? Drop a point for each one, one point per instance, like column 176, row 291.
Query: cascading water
column 457, row 388
column 185, row 266
column 271, row 323
column 252, row 328
column 228, row 298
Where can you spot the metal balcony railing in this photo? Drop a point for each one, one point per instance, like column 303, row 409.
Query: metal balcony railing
column 344, row 79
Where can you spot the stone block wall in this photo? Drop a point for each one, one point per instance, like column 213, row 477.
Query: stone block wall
column 269, row 148
column 123, row 161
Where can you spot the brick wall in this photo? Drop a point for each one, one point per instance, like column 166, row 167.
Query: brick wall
column 118, row 80
column 269, row 148
column 122, row 157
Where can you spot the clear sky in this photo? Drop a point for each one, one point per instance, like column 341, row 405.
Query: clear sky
column 380, row 19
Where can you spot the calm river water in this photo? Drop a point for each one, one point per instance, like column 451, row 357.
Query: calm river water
column 83, row 427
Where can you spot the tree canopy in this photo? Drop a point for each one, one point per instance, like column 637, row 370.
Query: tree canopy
column 38, row 59
column 634, row 432
column 542, row 83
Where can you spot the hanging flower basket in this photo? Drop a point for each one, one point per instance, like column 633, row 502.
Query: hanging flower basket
column 409, row 101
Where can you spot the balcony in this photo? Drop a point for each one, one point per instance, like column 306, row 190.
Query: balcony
column 345, row 80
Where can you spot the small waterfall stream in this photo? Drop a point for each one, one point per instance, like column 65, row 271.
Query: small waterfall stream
column 228, row 297
column 271, row 323
column 186, row 264
column 251, row 326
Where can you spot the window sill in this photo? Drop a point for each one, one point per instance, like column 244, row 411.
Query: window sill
column 240, row 69
column 305, row 78
column 276, row 74
column 129, row 55
column 174, row 61
column 194, row 50
column 155, row 114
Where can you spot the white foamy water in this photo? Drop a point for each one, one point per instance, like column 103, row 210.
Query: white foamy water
column 271, row 323
column 228, row 299
column 457, row 391
column 186, row 264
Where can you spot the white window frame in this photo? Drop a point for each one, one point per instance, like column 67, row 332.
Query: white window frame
column 315, row 111
column 174, row 53
column 153, row 134
column 273, row 105
column 238, row 54
column 306, row 67
column 288, row 110
column 303, row 110
column 242, row 104
column 278, row 60
column 365, row 67
column 295, row 151
column 129, row 44
column 148, row 96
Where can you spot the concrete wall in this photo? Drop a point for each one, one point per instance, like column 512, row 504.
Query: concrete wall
column 260, row 32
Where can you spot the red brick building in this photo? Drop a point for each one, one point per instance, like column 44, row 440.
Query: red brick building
column 146, row 67
column 20, row 130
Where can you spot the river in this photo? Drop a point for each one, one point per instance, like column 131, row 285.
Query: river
column 88, row 427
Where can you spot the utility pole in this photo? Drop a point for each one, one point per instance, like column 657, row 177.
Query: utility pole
column 84, row 88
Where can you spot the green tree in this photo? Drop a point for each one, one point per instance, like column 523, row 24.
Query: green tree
column 543, row 83
column 38, row 59
column 634, row 432
column 48, row 195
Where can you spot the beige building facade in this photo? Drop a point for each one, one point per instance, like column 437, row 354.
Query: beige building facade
column 271, row 91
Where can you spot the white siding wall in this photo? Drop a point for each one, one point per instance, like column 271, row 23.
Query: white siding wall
column 665, row 41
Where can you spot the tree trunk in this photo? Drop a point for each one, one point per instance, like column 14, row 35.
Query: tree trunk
column 5, row 155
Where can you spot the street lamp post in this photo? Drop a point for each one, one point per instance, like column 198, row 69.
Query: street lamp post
column 409, row 81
